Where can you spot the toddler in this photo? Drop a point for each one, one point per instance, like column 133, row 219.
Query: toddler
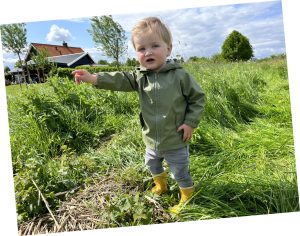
column 171, row 104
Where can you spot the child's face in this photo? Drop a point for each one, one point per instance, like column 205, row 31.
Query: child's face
column 151, row 50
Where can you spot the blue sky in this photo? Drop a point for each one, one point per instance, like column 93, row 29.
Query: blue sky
column 196, row 31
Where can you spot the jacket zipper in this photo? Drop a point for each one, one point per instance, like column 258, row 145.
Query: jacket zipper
column 156, row 109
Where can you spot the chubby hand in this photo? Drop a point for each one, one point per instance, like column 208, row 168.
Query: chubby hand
column 85, row 76
column 187, row 132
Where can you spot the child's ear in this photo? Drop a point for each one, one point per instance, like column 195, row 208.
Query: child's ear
column 169, row 49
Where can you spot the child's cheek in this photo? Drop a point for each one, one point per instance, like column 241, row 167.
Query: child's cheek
column 140, row 57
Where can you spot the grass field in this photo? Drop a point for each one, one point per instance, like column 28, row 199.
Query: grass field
column 81, row 147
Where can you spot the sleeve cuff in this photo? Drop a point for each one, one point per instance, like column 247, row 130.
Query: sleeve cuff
column 191, row 123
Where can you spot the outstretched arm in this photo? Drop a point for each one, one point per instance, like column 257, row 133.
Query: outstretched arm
column 115, row 81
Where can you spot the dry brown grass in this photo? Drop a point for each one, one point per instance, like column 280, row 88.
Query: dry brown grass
column 83, row 210
column 79, row 212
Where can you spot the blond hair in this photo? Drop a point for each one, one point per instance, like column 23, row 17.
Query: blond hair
column 155, row 25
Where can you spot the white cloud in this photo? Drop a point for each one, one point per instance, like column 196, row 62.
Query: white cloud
column 58, row 34
column 9, row 59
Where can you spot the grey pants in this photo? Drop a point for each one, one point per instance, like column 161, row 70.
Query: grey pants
column 177, row 160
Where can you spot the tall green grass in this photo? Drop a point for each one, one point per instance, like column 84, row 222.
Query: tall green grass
column 244, row 161
column 58, row 121
column 242, row 154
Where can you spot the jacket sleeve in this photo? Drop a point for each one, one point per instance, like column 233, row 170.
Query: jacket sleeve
column 195, row 98
column 117, row 81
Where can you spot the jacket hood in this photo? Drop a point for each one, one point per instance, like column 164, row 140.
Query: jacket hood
column 170, row 65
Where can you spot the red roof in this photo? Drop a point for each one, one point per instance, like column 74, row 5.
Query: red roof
column 57, row 50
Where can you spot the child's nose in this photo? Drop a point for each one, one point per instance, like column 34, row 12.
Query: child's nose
column 148, row 53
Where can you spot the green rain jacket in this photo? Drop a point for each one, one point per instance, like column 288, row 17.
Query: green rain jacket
column 168, row 99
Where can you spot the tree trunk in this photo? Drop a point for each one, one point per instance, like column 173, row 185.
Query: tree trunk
column 38, row 74
column 43, row 73
column 28, row 73
column 23, row 74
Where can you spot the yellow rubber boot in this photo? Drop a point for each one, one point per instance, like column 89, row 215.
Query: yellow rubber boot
column 160, row 181
column 186, row 194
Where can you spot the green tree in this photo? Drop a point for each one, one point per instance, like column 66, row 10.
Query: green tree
column 103, row 62
column 18, row 64
column 193, row 58
column 236, row 47
column 6, row 69
column 131, row 62
column 14, row 39
column 109, row 36
column 216, row 58
column 115, row 63
column 41, row 64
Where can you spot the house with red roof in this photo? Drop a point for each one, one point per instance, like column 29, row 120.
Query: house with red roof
column 62, row 55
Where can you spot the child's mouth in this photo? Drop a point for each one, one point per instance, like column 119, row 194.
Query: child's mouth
column 150, row 60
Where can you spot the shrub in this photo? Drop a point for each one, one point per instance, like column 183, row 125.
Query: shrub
column 236, row 47
column 67, row 72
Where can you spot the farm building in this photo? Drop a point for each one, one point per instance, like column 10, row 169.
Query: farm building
column 61, row 55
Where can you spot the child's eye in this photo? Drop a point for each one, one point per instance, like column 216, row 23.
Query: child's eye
column 156, row 45
column 141, row 49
